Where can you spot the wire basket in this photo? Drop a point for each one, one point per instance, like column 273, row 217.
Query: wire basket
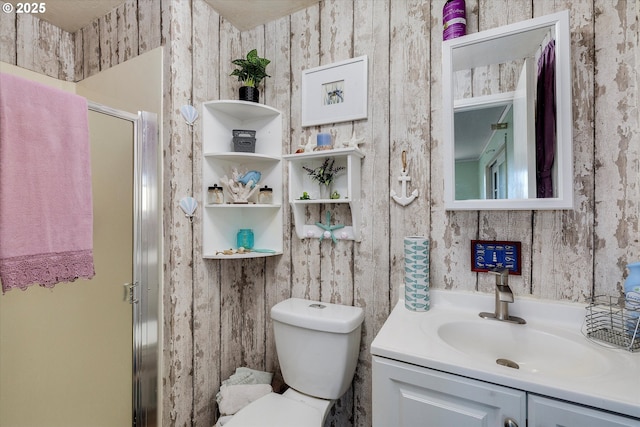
column 244, row 141
column 607, row 320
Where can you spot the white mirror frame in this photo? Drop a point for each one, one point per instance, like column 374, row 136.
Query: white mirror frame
column 564, row 120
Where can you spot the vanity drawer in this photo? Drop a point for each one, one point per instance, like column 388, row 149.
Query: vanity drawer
column 545, row 412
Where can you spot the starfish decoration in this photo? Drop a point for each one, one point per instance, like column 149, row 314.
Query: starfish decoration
column 329, row 229
column 354, row 141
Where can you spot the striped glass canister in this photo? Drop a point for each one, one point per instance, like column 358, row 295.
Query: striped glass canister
column 416, row 273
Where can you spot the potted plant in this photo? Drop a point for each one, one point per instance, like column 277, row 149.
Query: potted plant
column 251, row 72
column 324, row 174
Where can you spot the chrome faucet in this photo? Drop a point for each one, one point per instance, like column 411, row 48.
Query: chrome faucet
column 504, row 297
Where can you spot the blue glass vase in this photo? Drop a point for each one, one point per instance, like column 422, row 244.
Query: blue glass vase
column 244, row 238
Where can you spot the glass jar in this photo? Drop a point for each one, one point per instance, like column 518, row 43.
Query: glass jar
column 215, row 195
column 244, row 238
column 265, row 196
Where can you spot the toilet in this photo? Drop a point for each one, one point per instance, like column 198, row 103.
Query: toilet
column 318, row 345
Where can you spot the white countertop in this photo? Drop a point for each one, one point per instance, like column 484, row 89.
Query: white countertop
column 412, row 337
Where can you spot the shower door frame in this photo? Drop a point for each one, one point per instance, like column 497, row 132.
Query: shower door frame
column 145, row 290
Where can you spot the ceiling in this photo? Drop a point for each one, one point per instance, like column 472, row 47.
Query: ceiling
column 247, row 14
column 71, row 15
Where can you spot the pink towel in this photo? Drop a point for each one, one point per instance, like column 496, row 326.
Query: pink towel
column 46, row 212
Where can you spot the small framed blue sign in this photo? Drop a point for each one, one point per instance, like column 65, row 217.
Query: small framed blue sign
column 491, row 254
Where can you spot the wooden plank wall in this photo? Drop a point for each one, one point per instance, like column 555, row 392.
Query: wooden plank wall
column 216, row 313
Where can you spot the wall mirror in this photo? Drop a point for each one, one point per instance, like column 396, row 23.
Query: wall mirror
column 507, row 117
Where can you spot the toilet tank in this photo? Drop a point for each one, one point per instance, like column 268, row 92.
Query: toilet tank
column 318, row 345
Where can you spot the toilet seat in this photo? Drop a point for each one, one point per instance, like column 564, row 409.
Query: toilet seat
column 275, row 410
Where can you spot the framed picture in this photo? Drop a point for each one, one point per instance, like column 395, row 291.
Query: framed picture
column 491, row 255
column 335, row 93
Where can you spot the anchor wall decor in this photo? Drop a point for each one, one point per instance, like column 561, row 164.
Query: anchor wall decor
column 404, row 177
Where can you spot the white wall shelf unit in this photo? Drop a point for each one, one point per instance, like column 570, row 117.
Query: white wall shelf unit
column 221, row 222
column 346, row 183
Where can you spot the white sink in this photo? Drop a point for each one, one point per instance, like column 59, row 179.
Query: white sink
column 523, row 347
column 553, row 356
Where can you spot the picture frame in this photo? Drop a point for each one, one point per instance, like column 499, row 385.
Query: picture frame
column 335, row 93
column 489, row 255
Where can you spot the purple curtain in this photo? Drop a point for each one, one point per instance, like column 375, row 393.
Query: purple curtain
column 546, row 121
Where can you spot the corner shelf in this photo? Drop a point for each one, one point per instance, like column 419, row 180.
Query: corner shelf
column 221, row 222
column 347, row 184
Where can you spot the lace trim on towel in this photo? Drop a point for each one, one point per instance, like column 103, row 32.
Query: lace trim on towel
column 46, row 269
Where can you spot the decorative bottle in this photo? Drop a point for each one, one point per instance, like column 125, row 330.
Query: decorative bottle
column 454, row 19
column 632, row 298
column 245, row 238
column 265, row 196
column 215, row 195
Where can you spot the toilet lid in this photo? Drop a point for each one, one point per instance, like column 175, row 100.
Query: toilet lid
column 274, row 410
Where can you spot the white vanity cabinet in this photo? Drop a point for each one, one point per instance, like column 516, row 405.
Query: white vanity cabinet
column 405, row 395
column 221, row 222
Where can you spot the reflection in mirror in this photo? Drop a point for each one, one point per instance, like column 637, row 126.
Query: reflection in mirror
column 483, row 137
column 507, row 117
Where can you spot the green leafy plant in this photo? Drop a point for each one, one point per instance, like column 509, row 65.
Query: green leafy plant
column 325, row 173
column 252, row 69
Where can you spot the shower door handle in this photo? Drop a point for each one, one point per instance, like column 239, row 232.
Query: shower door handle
column 130, row 292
